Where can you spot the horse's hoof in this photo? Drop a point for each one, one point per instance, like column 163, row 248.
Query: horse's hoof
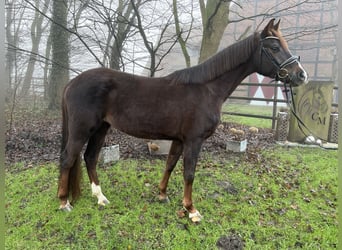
column 195, row 217
column 66, row 208
column 164, row 199
column 103, row 202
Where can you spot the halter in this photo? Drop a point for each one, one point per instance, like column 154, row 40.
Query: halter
column 282, row 72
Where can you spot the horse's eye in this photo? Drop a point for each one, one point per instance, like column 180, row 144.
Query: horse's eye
column 275, row 48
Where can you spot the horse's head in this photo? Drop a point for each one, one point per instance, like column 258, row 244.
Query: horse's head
column 275, row 60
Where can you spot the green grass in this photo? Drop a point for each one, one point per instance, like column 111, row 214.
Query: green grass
column 285, row 199
column 248, row 109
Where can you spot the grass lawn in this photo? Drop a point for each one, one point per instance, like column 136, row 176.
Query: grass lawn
column 248, row 109
column 281, row 198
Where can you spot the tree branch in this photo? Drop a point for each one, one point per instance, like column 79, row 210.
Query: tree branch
column 15, row 48
column 67, row 29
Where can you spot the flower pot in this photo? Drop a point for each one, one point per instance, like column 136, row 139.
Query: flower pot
column 236, row 146
column 159, row 147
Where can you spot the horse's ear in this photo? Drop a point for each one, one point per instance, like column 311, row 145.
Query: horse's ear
column 267, row 30
column 276, row 26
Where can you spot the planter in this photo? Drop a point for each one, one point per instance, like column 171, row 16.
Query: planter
column 236, row 146
column 333, row 128
column 159, row 147
column 282, row 128
column 109, row 154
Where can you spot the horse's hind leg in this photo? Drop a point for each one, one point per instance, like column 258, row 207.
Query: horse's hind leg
column 69, row 177
column 174, row 154
column 91, row 157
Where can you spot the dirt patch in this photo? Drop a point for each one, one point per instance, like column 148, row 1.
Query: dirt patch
column 230, row 242
column 34, row 140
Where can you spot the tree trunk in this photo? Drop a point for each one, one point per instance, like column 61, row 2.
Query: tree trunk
column 124, row 21
column 214, row 20
column 116, row 51
column 12, row 37
column 181, row 41
column 60, row 53
column 36, row 34
column 31, row 65
column 46, row 68
column 10, row 55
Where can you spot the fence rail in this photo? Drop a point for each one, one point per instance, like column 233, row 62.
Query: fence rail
column 274, row 100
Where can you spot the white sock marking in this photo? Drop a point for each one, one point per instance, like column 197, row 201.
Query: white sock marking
column 96, row 191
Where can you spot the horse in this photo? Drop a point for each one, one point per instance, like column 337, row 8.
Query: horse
column 183, row 107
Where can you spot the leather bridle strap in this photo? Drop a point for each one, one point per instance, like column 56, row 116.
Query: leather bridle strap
column 282, row 71
column 281, row 74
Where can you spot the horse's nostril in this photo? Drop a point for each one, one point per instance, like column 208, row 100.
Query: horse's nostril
column 302, row 75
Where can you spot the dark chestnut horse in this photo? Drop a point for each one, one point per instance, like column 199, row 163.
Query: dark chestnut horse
column 184, row 107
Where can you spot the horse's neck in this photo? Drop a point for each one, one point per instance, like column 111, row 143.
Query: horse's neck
column 228, row 82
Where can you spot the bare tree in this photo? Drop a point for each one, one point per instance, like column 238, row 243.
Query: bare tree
column 124, row 19
column 129, row 34
column 214, row 21
column 14, row 17
column 182, row 41
column 37, row 29
column 60, row 53
column 113, row 27
column 115, row 22
column 164, row 42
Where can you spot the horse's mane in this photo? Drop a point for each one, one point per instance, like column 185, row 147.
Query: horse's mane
column 225, row 60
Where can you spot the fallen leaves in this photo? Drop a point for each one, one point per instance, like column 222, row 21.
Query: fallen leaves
column 36, row 139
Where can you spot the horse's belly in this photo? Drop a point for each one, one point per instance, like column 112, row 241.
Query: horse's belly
column 146, row 127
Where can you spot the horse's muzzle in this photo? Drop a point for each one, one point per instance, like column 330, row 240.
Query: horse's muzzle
column 294, row 75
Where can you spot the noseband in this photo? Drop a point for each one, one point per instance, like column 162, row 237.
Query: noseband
column 282, row 72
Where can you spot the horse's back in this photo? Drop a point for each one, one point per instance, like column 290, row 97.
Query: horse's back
column 91, row 87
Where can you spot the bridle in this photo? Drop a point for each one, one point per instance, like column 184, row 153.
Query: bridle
column 281, row 75
column 282, row 72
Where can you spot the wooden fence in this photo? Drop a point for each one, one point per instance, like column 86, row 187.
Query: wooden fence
column 275, row 101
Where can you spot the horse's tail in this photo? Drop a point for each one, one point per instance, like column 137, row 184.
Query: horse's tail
column 65, row 133
column 74, row 179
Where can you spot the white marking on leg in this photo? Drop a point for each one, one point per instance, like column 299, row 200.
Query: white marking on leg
column 195, row 216
column 96, row 191
column 67, row 207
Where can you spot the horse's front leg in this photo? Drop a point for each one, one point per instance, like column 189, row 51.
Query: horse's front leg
column 174, row 154
column 190, row 154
